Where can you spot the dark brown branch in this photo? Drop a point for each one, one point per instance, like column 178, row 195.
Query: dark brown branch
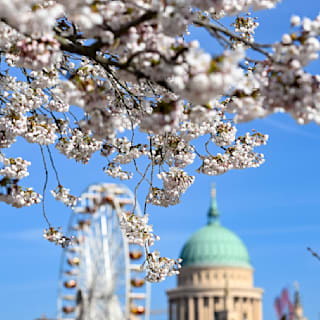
column 145, row 17
column 106, row 63
column 253, row 45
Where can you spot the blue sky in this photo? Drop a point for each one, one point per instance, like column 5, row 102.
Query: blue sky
column 274, row 209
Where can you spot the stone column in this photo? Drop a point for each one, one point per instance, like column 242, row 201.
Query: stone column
column 182, row 306
column 205, row 308
column 178, row 309
column 191, row 308
column 250, row 309
column 211, row 308
column 200, row 308
column 257, row 309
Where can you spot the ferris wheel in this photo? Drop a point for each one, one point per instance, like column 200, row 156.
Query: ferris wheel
column 100, row 275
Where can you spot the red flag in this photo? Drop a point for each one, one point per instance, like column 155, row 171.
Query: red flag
column 283, row 305
column 291, row 310
column 277, row 306
column 284, row 300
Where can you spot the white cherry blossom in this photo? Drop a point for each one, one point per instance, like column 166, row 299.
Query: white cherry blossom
column 15, row 168
column 62, row 194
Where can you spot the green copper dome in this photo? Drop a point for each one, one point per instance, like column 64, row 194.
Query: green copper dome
column 214, row 245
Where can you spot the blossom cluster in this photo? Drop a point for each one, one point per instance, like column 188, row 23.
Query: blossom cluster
column 207, row 78
column 245, row 26
column 79, row 146
column 55, row 235
column 62, row 194
column 281, row 83
column 11, row 193
column 234, row 6
column 18, row 196
column 36, row 54
column 139, row 232
column 238, row 156
column 14, row 168
column 175, row 183
column 137, row 229
column 128, row 152
column 115, row 171
column 158, row 268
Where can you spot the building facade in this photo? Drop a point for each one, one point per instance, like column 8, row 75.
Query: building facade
column 216, row 279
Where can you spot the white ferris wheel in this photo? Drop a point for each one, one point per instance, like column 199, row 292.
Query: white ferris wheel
column 100, row 275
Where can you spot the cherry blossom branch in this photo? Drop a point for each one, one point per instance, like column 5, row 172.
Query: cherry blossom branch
column 253, row 45
column 106, row 63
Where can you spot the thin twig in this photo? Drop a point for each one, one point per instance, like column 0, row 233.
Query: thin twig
column 138, row 170
column 44, row 186
column 195, row 150
column 138, row 185
column 206, row 145
column 151, row 175
column 53, row 166
column 73, row 116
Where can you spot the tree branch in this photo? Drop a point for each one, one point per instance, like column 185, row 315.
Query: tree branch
column 124, row 29
column 255, row 46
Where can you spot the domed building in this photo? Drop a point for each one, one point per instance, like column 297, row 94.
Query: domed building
column 216, row 278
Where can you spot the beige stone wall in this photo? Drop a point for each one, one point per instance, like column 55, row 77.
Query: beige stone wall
column 217, row 277
column 202, row 291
